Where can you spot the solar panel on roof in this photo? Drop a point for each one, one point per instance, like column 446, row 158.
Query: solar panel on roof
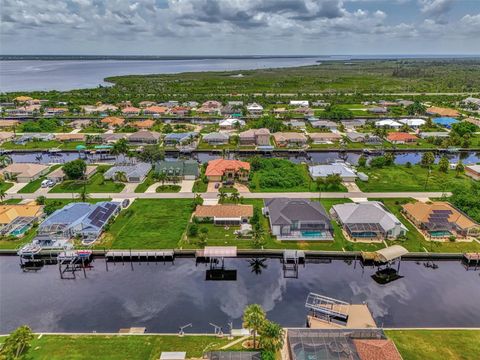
column 442, row 211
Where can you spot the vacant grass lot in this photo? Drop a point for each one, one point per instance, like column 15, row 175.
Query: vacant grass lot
column 85, row 347
column 149, row 224
column 436, row 344
column 96, row 184
column 43, row 145
column 401, row 178
column 5, row 185
column 283, row 173
column 415, row 242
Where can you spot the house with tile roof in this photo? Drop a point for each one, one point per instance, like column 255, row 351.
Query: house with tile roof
column 368, row 220
column 131, row 111
column 230, row 170
column 440, row 220
column 144, row 137
column 216, row 138
column 10, row 212
column 287, row 139
column 143, row 124
column 401, row 138
column 179, row 138
column 113, row 121
column 260, row 137
column 324, row 137
column 24, row 172
column 155, row 110
column 224, row 214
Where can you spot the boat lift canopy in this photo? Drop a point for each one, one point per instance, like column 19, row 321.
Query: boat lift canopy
column 390, row 253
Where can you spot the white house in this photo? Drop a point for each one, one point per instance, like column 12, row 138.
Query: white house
column 230, row 123
column 342, row 169
column 413, row 123
column 255, row 109
column 388, row 123
column 301, row 103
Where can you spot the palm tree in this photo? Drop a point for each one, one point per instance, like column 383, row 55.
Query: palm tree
column 222, row 196
column 235, row 197
column 5, row 160
column 257, row 265
column 2, row 194
column 271, row 337
column 162, row 177
column 121, row 176
column 254, row 319
column 84, row 196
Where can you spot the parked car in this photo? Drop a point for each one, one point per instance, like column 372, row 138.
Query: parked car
column 47, row 183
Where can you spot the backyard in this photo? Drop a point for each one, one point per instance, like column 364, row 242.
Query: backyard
column 415, row 178
column 96, row 184
column 149, row 224
column 415, row 242
column 436, row 344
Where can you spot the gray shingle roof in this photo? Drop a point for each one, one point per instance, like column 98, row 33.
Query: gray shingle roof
column 286, row 211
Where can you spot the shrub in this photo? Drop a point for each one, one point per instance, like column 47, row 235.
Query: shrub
column 193, row 229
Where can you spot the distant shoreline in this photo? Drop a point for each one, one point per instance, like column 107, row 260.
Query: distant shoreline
column 332, row 57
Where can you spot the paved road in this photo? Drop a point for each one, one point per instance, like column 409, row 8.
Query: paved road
column 303, row 195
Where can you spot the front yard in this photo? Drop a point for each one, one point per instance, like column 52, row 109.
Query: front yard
column 96, row 184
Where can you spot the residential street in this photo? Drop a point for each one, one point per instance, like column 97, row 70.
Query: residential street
column 182, row 195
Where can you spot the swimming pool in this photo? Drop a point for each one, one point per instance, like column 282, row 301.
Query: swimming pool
column 312, row 234
column 440, row 233
column 20, row 231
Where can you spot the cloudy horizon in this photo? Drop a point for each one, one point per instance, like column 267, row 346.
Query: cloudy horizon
column 240, row 27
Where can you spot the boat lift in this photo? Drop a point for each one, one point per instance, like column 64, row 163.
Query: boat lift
column 329, row 307
column 291, row 260
column 73, row 260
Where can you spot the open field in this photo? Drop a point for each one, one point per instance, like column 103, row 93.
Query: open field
column 149, row 224
column 436, row 344
column 43, row 145
column 401, row 178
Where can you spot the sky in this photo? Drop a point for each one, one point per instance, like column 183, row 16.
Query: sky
column 239, row 27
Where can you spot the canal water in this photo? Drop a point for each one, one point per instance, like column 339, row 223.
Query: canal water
column 313, row 157
column 162, row 297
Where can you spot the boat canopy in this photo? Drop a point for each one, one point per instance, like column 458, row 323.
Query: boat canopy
column 390, row 253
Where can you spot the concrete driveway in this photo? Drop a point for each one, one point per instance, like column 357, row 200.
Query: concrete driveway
column 211, row 187
column 16, row 186
column 186, row 186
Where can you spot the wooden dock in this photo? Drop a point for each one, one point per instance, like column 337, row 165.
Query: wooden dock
column 140, row 255
column 472, row 257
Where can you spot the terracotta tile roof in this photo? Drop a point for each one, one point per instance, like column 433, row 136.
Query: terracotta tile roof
column 224, row 211
column 8, row 213
column 289, row 136
column 144, row 124
column 421, row 212
column 372, row 349
column 130, row 109
column 442, row 111
column 71, row 137
column 401, row 136
column 113, row 120
column 156, row 109
column 219, row 166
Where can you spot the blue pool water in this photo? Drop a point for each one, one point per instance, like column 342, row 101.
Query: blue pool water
column 21, row 231
column 312, row 233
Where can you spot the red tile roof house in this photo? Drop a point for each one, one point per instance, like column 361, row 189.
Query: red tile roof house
column 113, row 121
column 401, row 138
column 376, row 349
column 230, row 170
column 130, row 111
column 179, row 110
column 155, row 110
column 143, row 124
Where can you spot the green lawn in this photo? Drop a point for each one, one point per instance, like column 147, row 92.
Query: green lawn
column 149, row 180
column 96, row 184
column 43, row 145
column 436, row 344
column 149, row 224
column 217, row 235
column 415, row 241
column 34, row 185
column 199, row 186
column 103, row 347
column 168, row 189
column 5, row 185
column 401, row 178
column 278, row 177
